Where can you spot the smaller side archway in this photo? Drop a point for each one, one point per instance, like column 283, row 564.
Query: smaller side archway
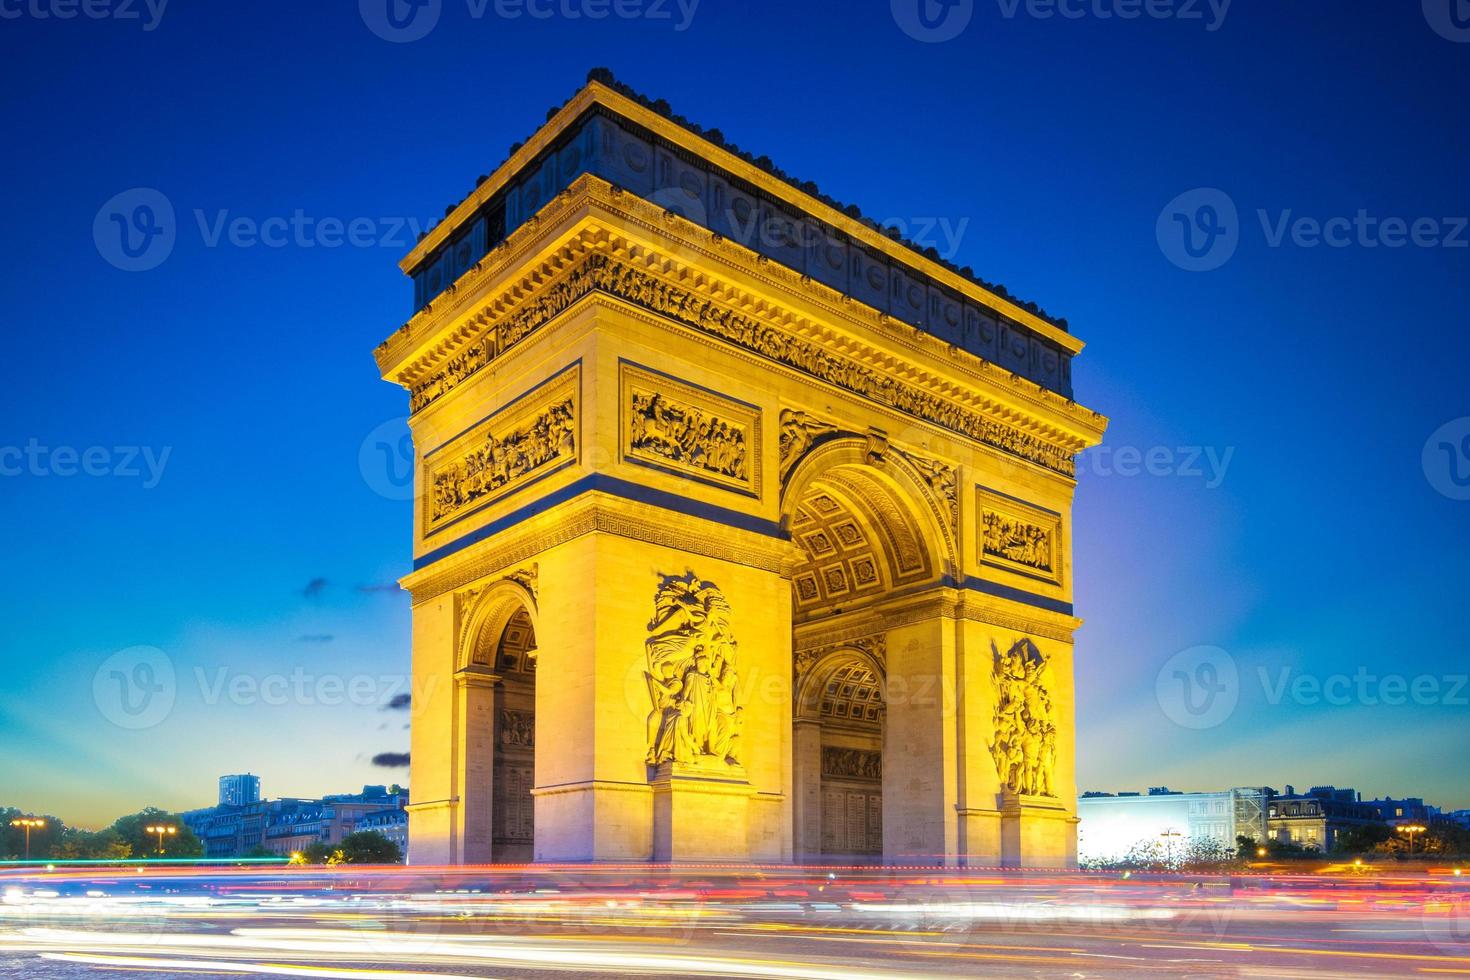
column 496, row 682
column 838, row 716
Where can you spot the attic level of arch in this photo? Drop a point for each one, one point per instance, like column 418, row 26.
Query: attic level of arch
column 634, row 158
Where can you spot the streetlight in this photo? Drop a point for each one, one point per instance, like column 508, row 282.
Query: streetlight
column 1412, row 829
column 29, row 823
column 161, row 829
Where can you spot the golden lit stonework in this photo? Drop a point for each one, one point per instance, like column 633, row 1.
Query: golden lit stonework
column 741, row 528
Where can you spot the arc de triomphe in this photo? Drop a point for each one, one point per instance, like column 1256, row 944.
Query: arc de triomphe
column 742, row 528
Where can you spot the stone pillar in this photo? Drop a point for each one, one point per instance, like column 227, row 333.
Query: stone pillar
column 701, row 812
column 433, row 811
column 474, row 689
column 807, row 798
column 919, row 745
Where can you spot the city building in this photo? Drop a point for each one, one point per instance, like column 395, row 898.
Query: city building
column 392, row 824
column 665, row 399
column 1112, row 825
column 284, row 826
column 1317, row 818
column 1398, row 813
column 239, row 790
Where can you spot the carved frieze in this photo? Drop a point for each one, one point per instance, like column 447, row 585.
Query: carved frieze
column 1018, row 537
column 532, row 436
column 1025, row 746
column 843, row 763
column 692, row 675
column 518, row 728
column 684, row 429
column 602, row 273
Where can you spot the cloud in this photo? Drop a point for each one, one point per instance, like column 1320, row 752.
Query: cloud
column 384, row 587
column 399, row 702
column 391, row 760
column 314, row 588
column 315, row 638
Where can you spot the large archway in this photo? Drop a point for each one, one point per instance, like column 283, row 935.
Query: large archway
column 869, row 532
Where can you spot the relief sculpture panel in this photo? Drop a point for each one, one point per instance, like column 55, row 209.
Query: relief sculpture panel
column 1025, row 746
column 1018, row 537
column 529, row 438
column 686, row 430
column 692, row 675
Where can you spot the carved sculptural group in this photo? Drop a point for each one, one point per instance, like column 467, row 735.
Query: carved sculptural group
column 685, row 434
column 1017, row 541
column 502, row 459
column 692, row 675
column 1025, row 747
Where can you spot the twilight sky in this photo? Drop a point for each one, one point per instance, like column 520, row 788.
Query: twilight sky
column 1273, row 486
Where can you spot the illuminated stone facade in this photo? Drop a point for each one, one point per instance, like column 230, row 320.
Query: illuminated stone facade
column 734, row 539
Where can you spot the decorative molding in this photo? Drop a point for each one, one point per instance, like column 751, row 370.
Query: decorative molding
column 525, row 440
column 1019, row 537
column 804, row 659
column 601, row 272
column 598, row 513
column 683, row 429
column 692, row 676
column 1025, row 746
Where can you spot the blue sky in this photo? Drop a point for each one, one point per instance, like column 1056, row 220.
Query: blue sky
column 1329, row 545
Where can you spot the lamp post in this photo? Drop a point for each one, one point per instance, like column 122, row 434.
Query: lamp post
column 1412, row 829
column 161, row 829
column 29, row 823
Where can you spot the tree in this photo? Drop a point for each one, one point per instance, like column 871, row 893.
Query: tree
column 13, row 839
column 362, row 847
column 1364, row 839
column 88, row 845
column 369, row 847
column 133, row 830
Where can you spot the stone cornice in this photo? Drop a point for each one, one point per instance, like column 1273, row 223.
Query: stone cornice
column 592, row 218
column 596, row 93
column 939, row 602
column 589, row 513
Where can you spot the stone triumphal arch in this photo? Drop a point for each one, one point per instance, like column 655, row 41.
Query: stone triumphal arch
column 742, row 526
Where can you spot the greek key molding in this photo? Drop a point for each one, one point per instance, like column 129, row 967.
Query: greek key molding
column 597, row 512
